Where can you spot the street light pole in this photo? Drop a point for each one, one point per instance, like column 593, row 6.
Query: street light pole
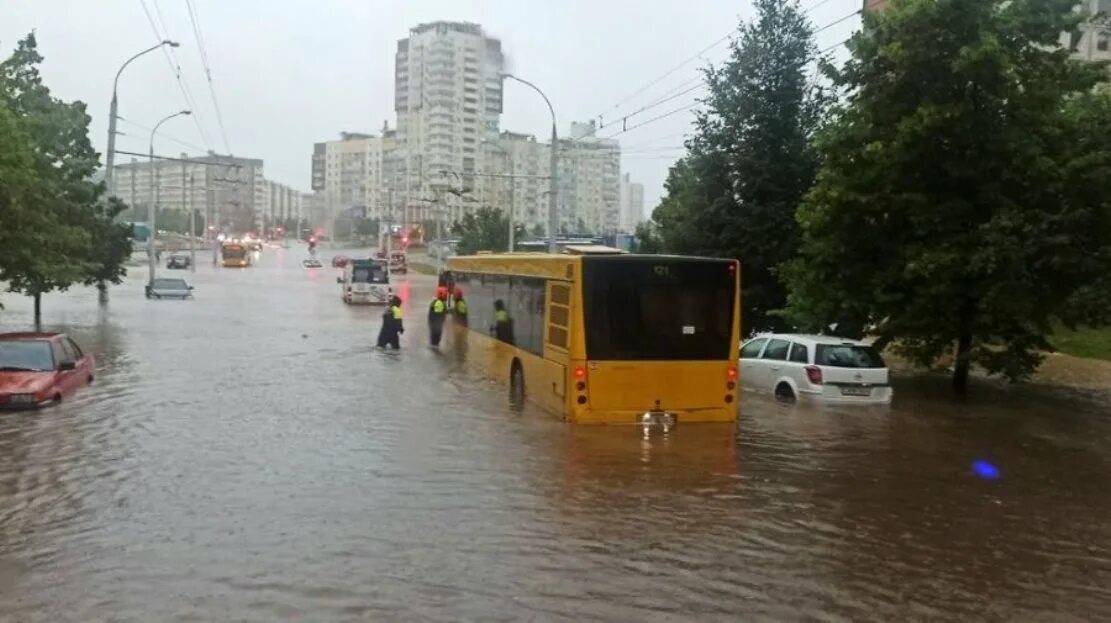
column 151, row 246
column 110, row 157
column 553, row 165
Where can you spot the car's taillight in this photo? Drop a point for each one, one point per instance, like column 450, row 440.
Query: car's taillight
column 814, row 374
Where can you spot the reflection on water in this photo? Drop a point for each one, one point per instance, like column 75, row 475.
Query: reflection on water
column 249, row 455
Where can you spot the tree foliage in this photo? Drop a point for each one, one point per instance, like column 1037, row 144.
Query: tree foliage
column 750, row 161
column 56, row 230
column 110, row 244
column 646, row 239
column 962, row 196
column 485, row 229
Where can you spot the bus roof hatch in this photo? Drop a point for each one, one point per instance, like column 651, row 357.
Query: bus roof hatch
column 593, row 249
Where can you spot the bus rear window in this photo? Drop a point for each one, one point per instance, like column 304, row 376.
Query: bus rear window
column 639, row 309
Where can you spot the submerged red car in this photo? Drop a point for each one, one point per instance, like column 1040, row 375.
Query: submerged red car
column 39, row 369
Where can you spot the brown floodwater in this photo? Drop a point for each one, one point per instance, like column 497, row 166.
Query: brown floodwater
column 249, row 456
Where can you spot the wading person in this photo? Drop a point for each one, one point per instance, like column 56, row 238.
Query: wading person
column 437, row 312
column 459, row 309
column 392, row 326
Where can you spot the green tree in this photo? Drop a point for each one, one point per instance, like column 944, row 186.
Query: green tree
column 959, row 199
column 538, row 231
column 110, row 245
column 485, row 229
column 751, row 160
column 18, row 190
column 54, row 248
column 646, row 239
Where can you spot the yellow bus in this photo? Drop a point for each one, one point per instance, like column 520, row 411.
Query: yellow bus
column 235, row 255
column 613, row 338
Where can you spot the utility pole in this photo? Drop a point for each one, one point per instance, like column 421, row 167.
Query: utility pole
column 389, row 238
column 184, row 197
column 192, row 229
column 134, row 168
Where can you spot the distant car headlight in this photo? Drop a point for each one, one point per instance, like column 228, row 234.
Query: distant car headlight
column 22, row 399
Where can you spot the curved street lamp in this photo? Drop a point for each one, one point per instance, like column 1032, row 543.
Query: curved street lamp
column 553, row 220
column 110, row 157
column 153, row 209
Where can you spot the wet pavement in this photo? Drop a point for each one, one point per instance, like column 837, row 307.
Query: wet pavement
column 249, row 456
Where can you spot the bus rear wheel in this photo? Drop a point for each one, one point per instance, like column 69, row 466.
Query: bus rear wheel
column 516, row 386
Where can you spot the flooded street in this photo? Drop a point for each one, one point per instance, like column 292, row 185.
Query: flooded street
column 249, row 456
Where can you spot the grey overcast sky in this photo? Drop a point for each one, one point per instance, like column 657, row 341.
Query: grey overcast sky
column 288, row 73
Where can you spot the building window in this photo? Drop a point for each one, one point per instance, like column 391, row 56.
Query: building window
column 1102, row 40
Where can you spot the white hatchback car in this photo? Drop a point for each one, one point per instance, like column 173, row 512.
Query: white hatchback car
column 819, row 367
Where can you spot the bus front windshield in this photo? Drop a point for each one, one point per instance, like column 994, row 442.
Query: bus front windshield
column 658, row 309
column 234, row 253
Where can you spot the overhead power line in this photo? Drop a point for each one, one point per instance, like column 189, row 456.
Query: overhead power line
column 175, row 69
column 652, row 120
column 837, row 21
column 698, row 54
column 815, row 5
column 189, row 4
column 625, row 119
column 163, row 134
column 667, row 73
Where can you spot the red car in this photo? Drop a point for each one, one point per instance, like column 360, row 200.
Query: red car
column 38, row 369
column 340, row 261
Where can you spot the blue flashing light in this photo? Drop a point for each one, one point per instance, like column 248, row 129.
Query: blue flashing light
column 985, row 470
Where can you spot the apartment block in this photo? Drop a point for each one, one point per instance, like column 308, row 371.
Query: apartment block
column 589, row 188
column 448, row 99
column 231, row 191
column 282, row 204
column 516, row 178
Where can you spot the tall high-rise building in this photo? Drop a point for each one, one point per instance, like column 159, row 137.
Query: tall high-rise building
column 448, row 99
column 632, row 204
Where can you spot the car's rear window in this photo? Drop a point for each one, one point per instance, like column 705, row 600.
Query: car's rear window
column 847, row 356
column 169, row 284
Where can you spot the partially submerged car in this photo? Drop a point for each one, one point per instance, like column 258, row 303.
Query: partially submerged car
column 39, row 369
column 179, row 261
column 169, row 288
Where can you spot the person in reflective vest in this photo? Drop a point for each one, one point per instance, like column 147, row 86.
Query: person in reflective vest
column 459, row 309
column 392, row 326
column 503, row 324
column 437, row 312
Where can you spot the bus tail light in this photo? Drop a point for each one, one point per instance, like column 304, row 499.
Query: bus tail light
column 580, row 384
column 731, row 373
column 814, row 374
